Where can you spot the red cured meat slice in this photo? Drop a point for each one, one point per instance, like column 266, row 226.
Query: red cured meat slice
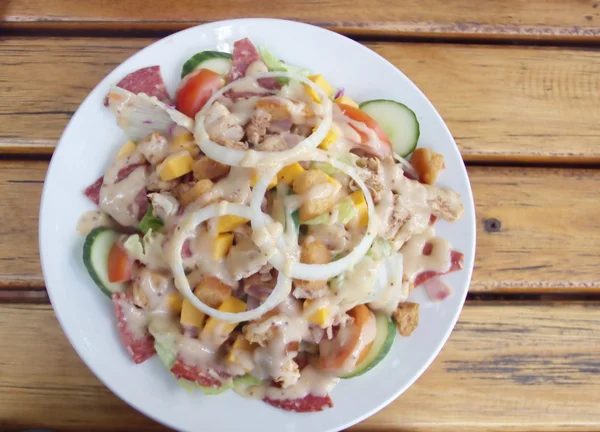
column 456, row 259
column 181, row 370
column 269, row 83
column 186, row 250
column 244, row 53
column 140, row 349
column 141, row 201
column 147, row 80
column 309, row 403
column 126, row 171
column 93, row 191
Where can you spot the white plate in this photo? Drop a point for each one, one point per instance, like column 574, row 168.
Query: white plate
column 90, row 142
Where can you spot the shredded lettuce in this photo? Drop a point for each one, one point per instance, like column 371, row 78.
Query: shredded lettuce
column 380, row 249
column 148, row 250
column 274, row 64
column 344, row 211
column 149, row 221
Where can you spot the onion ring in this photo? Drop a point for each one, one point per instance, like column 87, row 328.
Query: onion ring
column 252, row 158
column 297, row 269
column 173, row 255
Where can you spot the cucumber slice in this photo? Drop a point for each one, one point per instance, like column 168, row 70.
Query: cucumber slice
column 95, row 258
column 386, row 332
column 216, row 61
column 398, row 121
column 246, row 381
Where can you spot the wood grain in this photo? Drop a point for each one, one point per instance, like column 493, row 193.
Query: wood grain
column 529, row 238
column 509, row 19
column 501, row 103
column 516, row 366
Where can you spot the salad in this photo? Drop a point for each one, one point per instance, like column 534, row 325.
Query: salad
column 261, row 231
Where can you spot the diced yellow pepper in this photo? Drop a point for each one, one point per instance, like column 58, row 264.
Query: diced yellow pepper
column 361, row 207
column 240, row 344
column 318, row 317
column 175, row 165
column 213, row 325
column 196, row 191
column 289, row 173
column 175, row 303
column 322, row 83
column 229, row 222
column 329, row 139
column 222, row 245
column 270, row 186
column 346, row 100
column 191, row 316
column 128, row 148
column 185, row 141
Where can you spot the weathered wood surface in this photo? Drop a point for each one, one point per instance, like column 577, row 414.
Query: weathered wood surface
column 554, row 20
column 529, row 238
column 515, row 104
column 507, row 366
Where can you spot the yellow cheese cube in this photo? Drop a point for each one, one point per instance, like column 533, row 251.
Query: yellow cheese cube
column 330, row 138
column 185, row 141
column 217, row 330
column 361, row 207
column 191, row 316
column 221, row 245
column 196, row 191
column 322, row 83
column 318, row 317
column 240, row 344
column 289, row 173
column 128, row 148
column 270, row 186
column 175, row 165
column 175, row 303
column 346, row 100
column 229, row 223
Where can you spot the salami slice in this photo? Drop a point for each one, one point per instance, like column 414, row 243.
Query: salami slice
column 93, row 191
column 139, row 348
column 456, row 258
column 309, row 403
column 147, row 80
column 192, row 373
column 244, row 53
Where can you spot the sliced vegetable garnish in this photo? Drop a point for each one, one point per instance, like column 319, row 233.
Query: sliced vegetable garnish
column 398, row 121
column 96, row 251
column 276, row 65
column 216, row 61
column 196, row 89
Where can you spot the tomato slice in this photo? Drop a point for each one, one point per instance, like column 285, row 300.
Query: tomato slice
column 196, row 89
column 359, row 116
column 335, row 352
column 119, row 264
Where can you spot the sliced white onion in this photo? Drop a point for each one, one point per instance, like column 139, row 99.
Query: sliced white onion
column 139, row 114
column 273, row 246
column 252, row 158
column 406, row 166
column 173, row 255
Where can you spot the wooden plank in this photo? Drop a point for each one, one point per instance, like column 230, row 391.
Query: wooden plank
column 529, row 238
column 501, row 103
column 517, row 366
column 509, row 19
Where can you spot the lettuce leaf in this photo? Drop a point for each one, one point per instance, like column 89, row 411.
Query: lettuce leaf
column 149, row 221
column 148, row 250
column 276, row 65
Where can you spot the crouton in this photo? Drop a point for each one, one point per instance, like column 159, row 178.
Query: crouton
column 312, row 252
column 406, row 317
column 427, row 164
column 212, row 291
column 206, row 168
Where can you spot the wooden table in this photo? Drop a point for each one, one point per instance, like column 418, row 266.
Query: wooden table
column 517, row 81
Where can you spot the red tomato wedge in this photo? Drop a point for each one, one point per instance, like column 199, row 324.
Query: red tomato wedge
column 196, row 89
column 336, row 351
column 119, row 264
column 359, row 116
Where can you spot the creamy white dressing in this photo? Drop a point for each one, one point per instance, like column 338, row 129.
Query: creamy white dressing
column 415, row 262
column 201, row 246
column 154, row 288
column 136, row 321
column 94, row 219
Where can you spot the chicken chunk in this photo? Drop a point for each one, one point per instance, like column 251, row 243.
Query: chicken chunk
column 406, row 317
column 257, row 126
column 370, row 172
column 164, row 205
column 244, row 258
column 154, row 147
column 222, row 126
column 272, row 143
